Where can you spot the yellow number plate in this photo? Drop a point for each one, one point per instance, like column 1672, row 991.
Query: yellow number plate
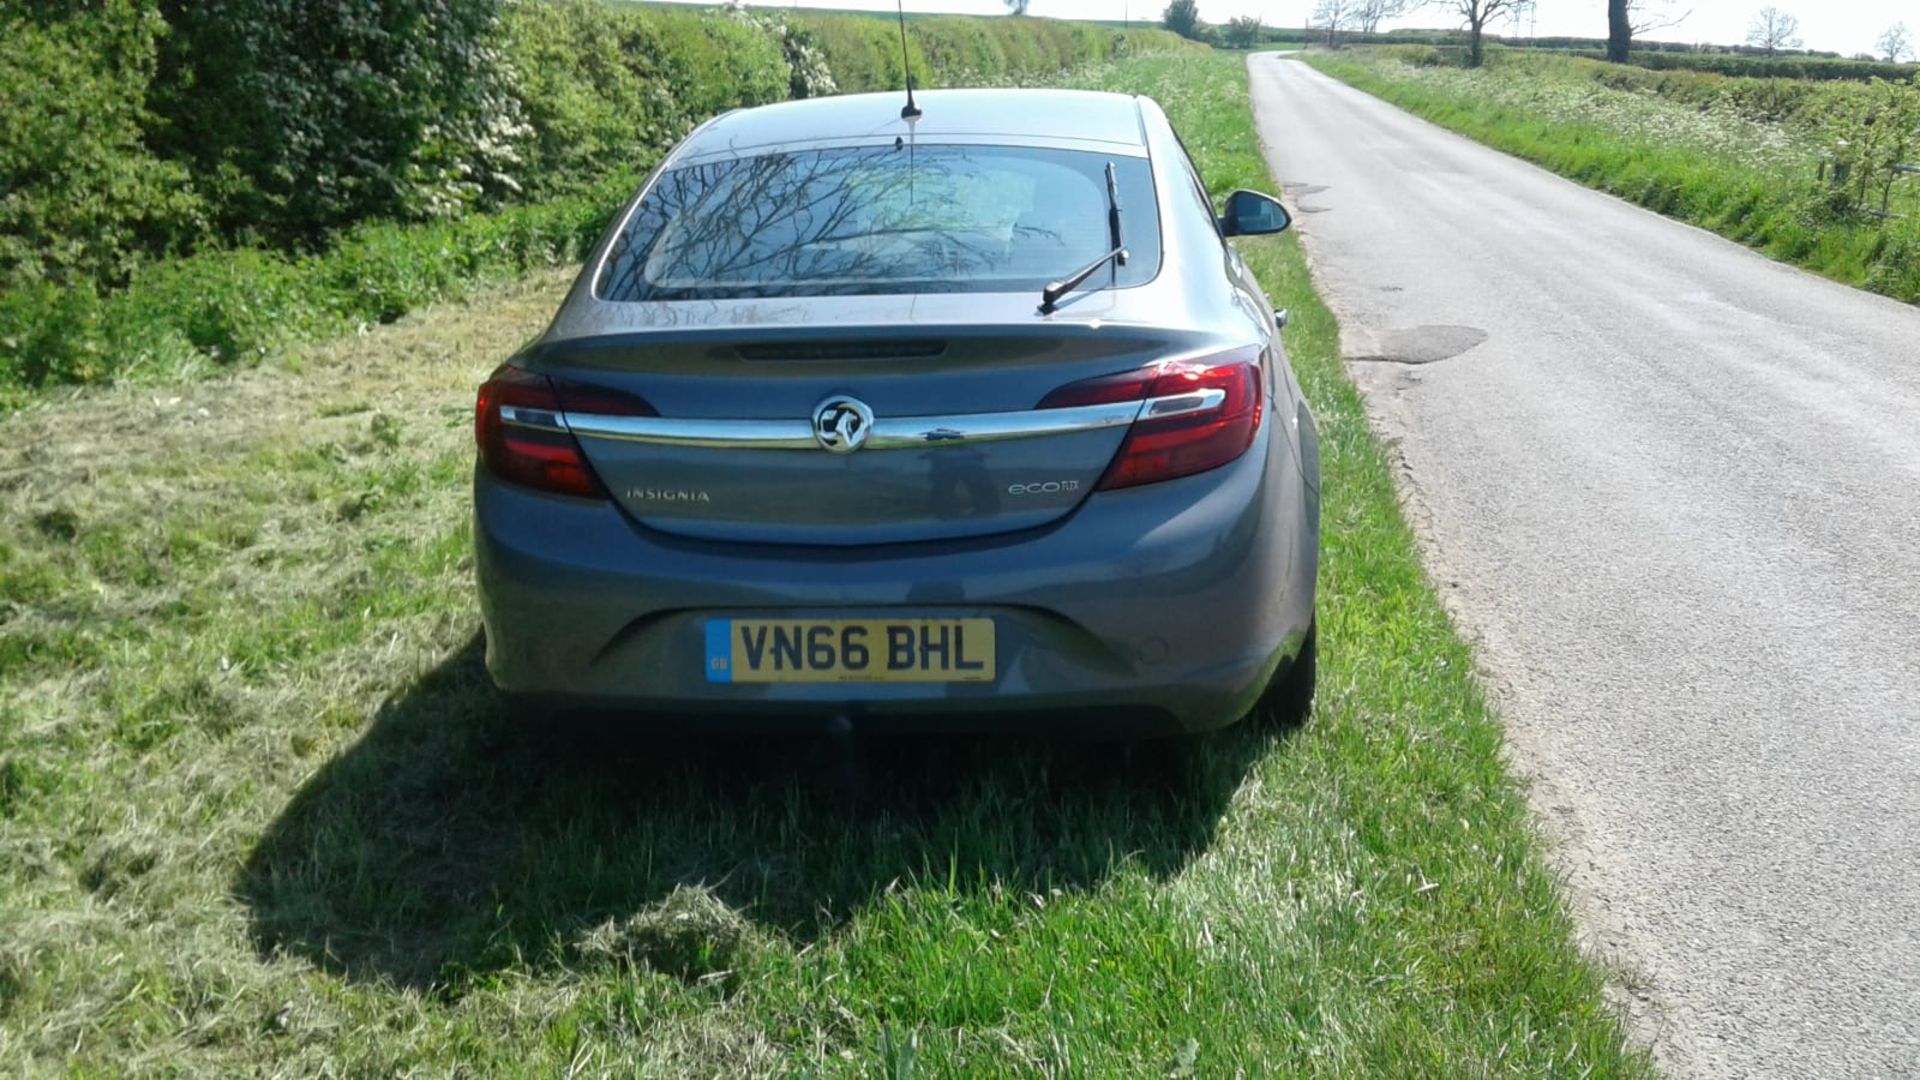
column 849, row 650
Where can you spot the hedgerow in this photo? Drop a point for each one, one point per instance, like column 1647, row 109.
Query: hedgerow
column 1814, row 68
column 605, row 87
column 188, row 182
column 301, row 117
column 1803, row 171
column 82, row 197
column 864, row 53
column 188, row 316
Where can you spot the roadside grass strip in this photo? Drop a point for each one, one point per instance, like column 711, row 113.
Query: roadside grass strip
column 259, row 811
column 1711, row 161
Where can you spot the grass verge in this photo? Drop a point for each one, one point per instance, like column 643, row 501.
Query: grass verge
column 259, row 812
column 1710, row 162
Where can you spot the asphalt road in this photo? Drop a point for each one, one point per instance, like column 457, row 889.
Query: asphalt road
column 1672, row 490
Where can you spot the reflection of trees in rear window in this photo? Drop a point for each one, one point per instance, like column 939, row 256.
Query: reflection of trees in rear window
column 878, row 219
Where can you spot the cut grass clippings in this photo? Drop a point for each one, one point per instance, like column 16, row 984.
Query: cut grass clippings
column 260, row 812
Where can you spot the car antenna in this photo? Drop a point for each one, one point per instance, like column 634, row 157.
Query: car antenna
column 910, row 111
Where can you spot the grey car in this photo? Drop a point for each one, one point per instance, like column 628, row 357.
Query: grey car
column 969, row 418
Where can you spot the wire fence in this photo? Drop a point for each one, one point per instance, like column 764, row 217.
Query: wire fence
column 1837, row 174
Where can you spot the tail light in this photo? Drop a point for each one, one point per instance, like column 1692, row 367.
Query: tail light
column 1188, row 439
column 523, row 437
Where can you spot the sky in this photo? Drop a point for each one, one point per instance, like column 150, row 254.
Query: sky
column 1842, row 26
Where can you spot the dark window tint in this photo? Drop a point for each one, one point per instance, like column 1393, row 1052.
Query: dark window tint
column 886, row 219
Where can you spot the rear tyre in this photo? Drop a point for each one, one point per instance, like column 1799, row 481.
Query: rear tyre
column 1289, row 699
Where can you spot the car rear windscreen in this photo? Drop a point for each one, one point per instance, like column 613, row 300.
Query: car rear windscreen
column 881, row 219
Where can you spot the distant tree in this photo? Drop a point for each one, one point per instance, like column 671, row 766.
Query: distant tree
column 1895, row 45
column 1477, row 14
column 1334, row 16
column 1628, row 19
column 1371, row 13
column 1773, row 30
column 1183, row 18
column 1016, row 7
column 1243, row 31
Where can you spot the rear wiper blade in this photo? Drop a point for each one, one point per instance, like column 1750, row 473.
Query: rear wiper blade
column 1050, row 296
column 1113, row 215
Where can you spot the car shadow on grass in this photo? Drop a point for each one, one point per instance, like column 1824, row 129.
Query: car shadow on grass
column 449, row 842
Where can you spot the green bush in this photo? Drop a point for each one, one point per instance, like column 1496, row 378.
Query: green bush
column 1772, row 100
column 1182, row 17
column 1896, row 269
column 1424, row 55
column 960, row 51
column 1869, row 140
column 228, row 306
column 605, row 87
column 594, row 98
column 863, row 52
column 82, row 199
column 1024, row 52
column 50, row 334
column 1244, row 31
column 320, row 113
column 556, row 106
column 219, row 308
column 808, row 74
column 714, row 63
column 1818, row 68
column 1801, row 103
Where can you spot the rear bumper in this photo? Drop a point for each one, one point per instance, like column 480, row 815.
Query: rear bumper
column 1164, row 608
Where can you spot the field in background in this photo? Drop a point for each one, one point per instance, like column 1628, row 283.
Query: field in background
column 260, row 812
column 1741, row 156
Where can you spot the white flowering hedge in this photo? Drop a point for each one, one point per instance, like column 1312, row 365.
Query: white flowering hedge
column 1802, row 170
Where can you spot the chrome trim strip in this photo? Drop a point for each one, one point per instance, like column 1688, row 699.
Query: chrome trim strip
column 541, row 419
column 1161, row 408
column 712, row 434
column 906, row 432
column 888, row 433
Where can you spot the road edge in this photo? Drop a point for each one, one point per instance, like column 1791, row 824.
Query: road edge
column 1568, row 844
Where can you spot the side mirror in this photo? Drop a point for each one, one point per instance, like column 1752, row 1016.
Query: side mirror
column 1250, row 213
